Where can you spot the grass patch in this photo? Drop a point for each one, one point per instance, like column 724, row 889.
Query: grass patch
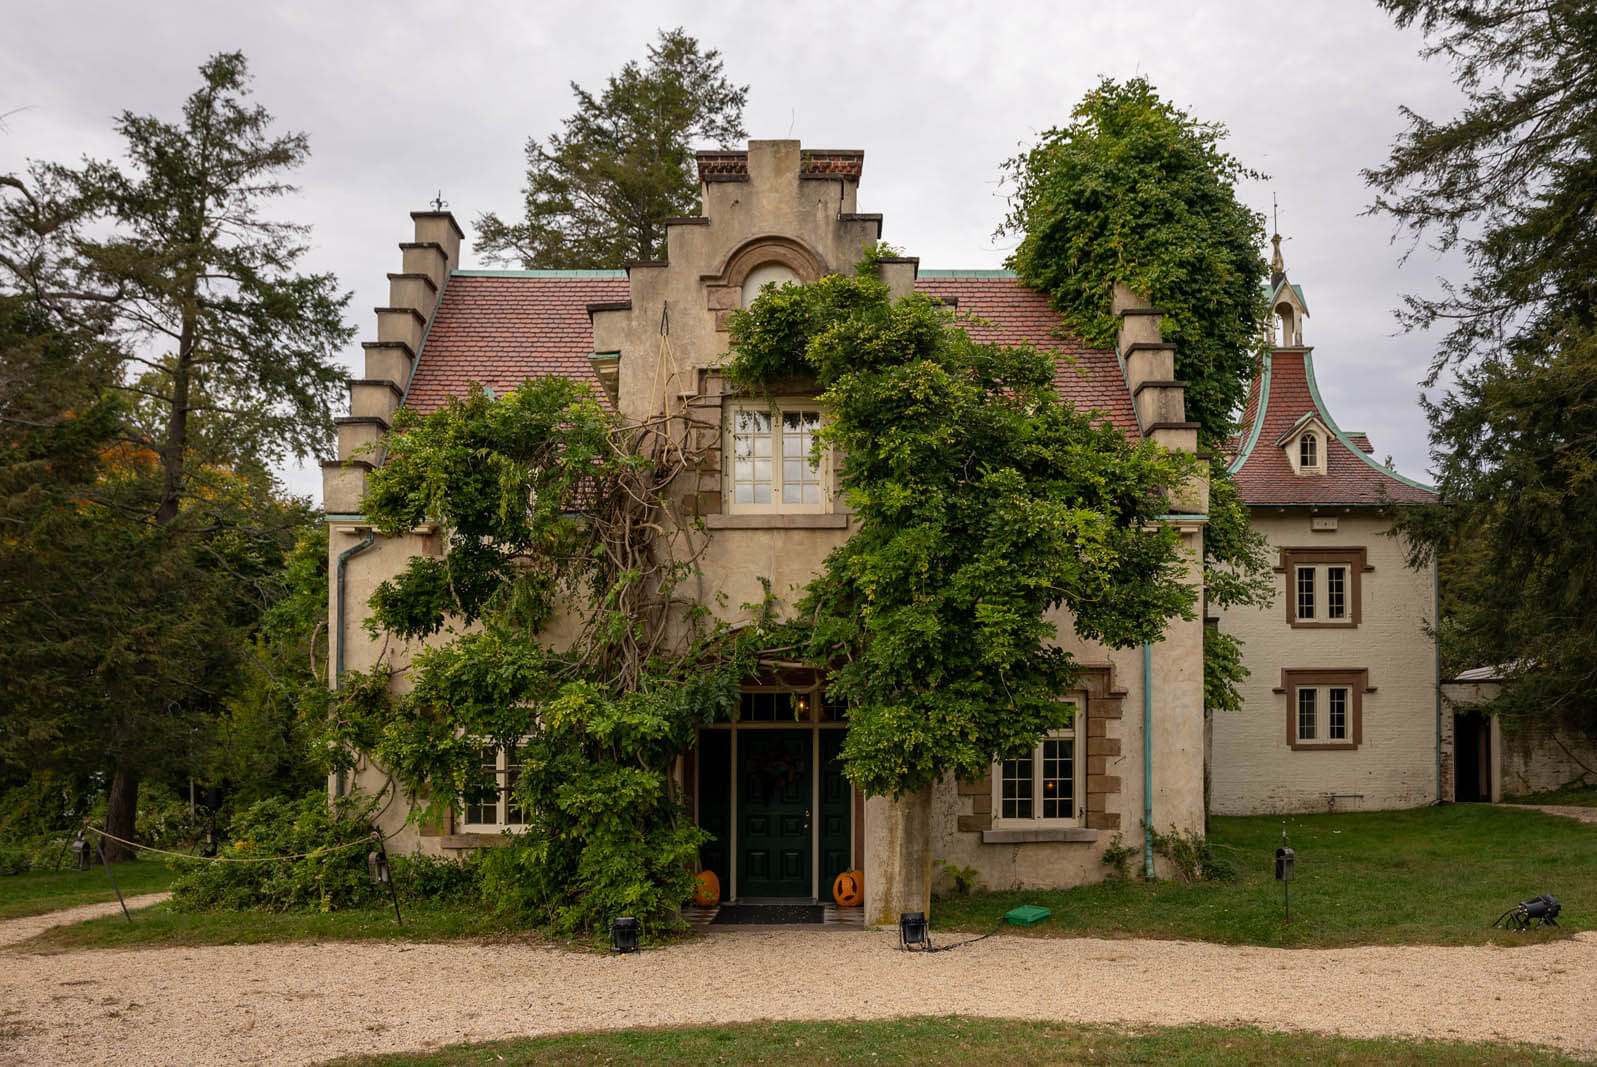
column 1579, row 796
column 161, row 926
column 960, row 1040
column 37, row 892
column 1434, row 876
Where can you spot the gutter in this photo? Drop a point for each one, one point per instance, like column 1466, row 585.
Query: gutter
column 343, row 559
column 338, row 611
column 1436, row 653
column 1147, row 760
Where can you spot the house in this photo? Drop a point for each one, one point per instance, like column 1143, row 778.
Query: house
column 1341, row 709
column 779, row 213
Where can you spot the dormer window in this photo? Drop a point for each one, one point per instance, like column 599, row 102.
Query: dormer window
column 1308, row 453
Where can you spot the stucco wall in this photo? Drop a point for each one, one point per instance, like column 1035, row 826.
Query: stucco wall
column 1252, row 767
column 1112, row 745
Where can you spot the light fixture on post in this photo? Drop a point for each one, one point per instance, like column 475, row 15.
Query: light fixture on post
column 913, row 929
column 624, row 934
column 377, row 871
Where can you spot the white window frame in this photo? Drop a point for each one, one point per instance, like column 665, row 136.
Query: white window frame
column 1320, row 589
column 776, row 410
column 506, row 772
column 1321, row 700
column 1316, row 442
column 1076, row 734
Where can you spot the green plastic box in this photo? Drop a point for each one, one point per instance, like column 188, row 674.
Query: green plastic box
column 1027, row 915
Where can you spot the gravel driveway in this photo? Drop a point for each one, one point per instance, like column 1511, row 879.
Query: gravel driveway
column 303, row 1003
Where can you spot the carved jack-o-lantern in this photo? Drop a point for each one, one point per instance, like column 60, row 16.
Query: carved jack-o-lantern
column 848, row 889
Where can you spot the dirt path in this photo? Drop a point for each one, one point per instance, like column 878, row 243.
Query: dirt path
column 290, row 1004
column 14, row 930
column 1572, row 811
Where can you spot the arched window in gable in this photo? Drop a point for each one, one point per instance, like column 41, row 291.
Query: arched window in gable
column 1308, row 452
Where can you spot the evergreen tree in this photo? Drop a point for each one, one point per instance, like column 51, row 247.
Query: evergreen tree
column 227, row 355
column 598, row 192
column 1511, row 183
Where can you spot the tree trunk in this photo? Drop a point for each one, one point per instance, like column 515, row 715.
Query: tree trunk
column 121, row 811
column 898, row 856
column 175, row 448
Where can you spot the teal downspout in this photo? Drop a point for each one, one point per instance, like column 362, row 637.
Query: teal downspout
column 338, row 610
column 1147, row 760
column 1436, row 674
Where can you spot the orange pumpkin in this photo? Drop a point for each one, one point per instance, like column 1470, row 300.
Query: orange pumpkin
column 707, row 894
column 848, row 889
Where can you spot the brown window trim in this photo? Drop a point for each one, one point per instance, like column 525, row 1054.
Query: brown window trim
column 1357, row 563
column 1357, row 682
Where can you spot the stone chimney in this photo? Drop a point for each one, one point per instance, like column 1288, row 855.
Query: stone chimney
column 1160, row 399
column 413, row 295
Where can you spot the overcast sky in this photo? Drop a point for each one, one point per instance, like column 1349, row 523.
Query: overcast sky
column 402, row 100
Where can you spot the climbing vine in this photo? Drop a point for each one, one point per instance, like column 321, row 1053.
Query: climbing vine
column 983, row 505
column 560, row 634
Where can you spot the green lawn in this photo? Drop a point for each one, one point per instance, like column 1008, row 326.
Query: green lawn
column 1580, row 796
column 1428, row 876
column 959, row 1040
column 37, row 892
column 161, row 926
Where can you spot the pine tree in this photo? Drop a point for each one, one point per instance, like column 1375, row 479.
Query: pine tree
column 598, row 192
column 227, row 354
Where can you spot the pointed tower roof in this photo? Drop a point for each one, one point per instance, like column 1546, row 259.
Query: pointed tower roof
column 1283, row 406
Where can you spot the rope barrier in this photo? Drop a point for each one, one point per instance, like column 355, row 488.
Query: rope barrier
column 233, row 859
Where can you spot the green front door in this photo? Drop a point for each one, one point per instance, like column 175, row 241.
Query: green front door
column 773, row 799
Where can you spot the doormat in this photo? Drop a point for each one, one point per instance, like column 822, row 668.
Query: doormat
column 769, row 914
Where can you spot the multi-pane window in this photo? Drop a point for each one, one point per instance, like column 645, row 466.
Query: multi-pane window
column 1308, row 452
column 1324, row 707
column 1322, row 593
column 772, row 468
column 1333, row 727
column 1043, row 784
column 497, row 805
column 1322, row 585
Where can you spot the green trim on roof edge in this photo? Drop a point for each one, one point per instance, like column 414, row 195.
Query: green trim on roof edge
column 965, row 274
column 538, row 273
column 1258, row 416
column 1314, row 391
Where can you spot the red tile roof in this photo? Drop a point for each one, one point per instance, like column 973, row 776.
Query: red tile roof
column 1012, row 314
column 1264, row 473
column 501, row 330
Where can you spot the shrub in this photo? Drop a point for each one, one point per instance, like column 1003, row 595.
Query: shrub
column 329, row 881
column 436, row 879
column 1194, row 860
column 15, row 860
column 1117, row 856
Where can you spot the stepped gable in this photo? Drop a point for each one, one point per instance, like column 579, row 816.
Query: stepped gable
column 499, row 329
column 1263, row 472
column 1014, row 314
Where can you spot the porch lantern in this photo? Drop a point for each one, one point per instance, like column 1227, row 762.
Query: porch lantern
column 624, row 934
column 377, row 866
column 913, row 929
